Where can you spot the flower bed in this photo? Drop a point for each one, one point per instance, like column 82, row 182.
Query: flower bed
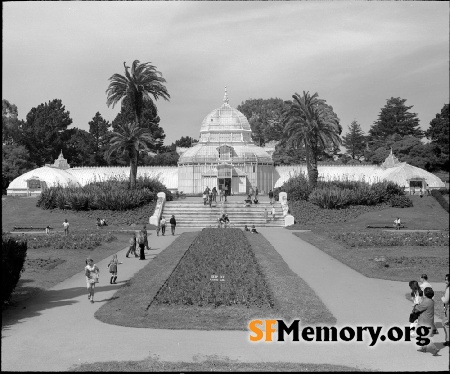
column 392, row 239
column 79, row 240
column 217, row 252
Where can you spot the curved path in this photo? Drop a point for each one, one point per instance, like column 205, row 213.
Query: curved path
column 59, row 330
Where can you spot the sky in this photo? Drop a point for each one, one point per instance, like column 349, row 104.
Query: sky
column 355, row 55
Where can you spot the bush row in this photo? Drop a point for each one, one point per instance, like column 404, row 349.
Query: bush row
column 14, row 253
column 113, row 194
column 79, row 240
column 340, row 194
column 440, row 199
column 217, row 252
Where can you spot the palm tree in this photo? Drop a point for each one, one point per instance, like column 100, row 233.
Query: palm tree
column 129, row 140
column 143, row 82
column 311, row 123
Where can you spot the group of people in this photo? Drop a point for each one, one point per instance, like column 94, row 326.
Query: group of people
column 252, row 197
column 210, row 196
column 101, row 222
column 252, row 230
column 422, row 296
column 161, row 227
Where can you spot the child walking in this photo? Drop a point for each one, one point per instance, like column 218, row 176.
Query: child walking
column 113, row 269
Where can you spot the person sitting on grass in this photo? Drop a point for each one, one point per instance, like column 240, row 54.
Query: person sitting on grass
column 246, row 228
column 99, row 224
column 103, row 222
column 254, row 230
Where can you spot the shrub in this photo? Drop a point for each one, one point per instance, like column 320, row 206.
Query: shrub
column 297, row 188
column 14, row 253
column 440, row 199
column 113, row 194
column 401, row 202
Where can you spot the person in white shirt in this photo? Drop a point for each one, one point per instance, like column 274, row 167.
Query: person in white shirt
column 163, row 225
column 66, row 227
column 397, row 223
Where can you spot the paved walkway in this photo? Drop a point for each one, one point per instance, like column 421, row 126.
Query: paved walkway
column 59, row 330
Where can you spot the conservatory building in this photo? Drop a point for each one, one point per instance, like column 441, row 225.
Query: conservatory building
column 225, row 156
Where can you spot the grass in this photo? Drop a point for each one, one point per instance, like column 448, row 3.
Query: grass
column 22, row 212
column 425, row 214
column 210, row 363
column 46, row 267
column 293, row 297
column 405, row 263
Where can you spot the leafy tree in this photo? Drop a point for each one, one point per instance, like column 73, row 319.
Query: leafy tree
column 354, row 141
column 130, row 140
column 143, row 82
column 10, row 123
column 394, row 118
column 43, row 131
column 438, row 130
column 265, row 117
column 15, row 161
column 149, row 119
column 98, row 128
column 310, row 122
column 79, row 148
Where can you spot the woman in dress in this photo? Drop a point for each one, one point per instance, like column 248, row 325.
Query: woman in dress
column 416, row 292
column 92, row 273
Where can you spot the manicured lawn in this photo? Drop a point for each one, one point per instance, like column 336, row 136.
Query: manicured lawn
column 22, row 212
column 46, row 267
column 403, row 263
column 425, row 214
column 293, row 298
column 210, row 364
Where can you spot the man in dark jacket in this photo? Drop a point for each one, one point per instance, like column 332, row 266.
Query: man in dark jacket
column 271, row 196
column 173, row 223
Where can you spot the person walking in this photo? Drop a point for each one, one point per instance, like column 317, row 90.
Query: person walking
column 265, row 215
column 220, row 194
column 66, row 227
column 144, row 232
column 426, row 319
column 256, row 193
column 141, row 244
column 273, row 213
column 225, row 192
column 205, row 196
column 113, row 268
column 210, row 199
column 158, row 226
column 173, row 223
column 163, row 225
column 214, row 194
column 445, row 300
column 271, row 196
column 92, row 272
column 132, row 246
column 47, row 230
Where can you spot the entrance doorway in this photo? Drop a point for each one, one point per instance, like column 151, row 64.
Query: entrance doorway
column 225, row 182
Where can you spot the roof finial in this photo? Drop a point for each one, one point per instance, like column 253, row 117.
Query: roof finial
column 225, row 97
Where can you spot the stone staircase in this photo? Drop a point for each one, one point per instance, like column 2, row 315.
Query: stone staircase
column 190, row 213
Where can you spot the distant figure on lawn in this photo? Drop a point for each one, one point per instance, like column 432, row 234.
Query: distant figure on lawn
column 397, row 223
column 103, row 222
column 92, row 273
column 132, row 248
column 47, row 230
column 99, row 224
column 254, row 230
column 246, row 228
column 113, row 268
column 173, row 224
column 66, row 227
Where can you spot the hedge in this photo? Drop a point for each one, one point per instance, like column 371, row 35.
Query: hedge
column 440, row 199
column 14, row 253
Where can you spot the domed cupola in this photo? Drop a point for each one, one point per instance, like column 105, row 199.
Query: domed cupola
column 225, row 125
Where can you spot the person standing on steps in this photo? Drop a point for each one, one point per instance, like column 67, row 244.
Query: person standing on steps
column 141, row 243
column 265, row 215
column 163, row 225
column 271, row 196
column 256, row 193
column 132, row 244
column 92, row 272
column 173, row 223
column 273, row 212
column 66, row 227
column 113, row 269
column 220, row 195
column 225, row 193
column 214, row 194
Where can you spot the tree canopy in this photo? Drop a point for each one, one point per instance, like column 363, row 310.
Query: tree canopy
column 354, row 141
column 438, row 130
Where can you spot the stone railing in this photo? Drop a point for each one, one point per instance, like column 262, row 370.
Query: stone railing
column 288, row 218
column 154, row 219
